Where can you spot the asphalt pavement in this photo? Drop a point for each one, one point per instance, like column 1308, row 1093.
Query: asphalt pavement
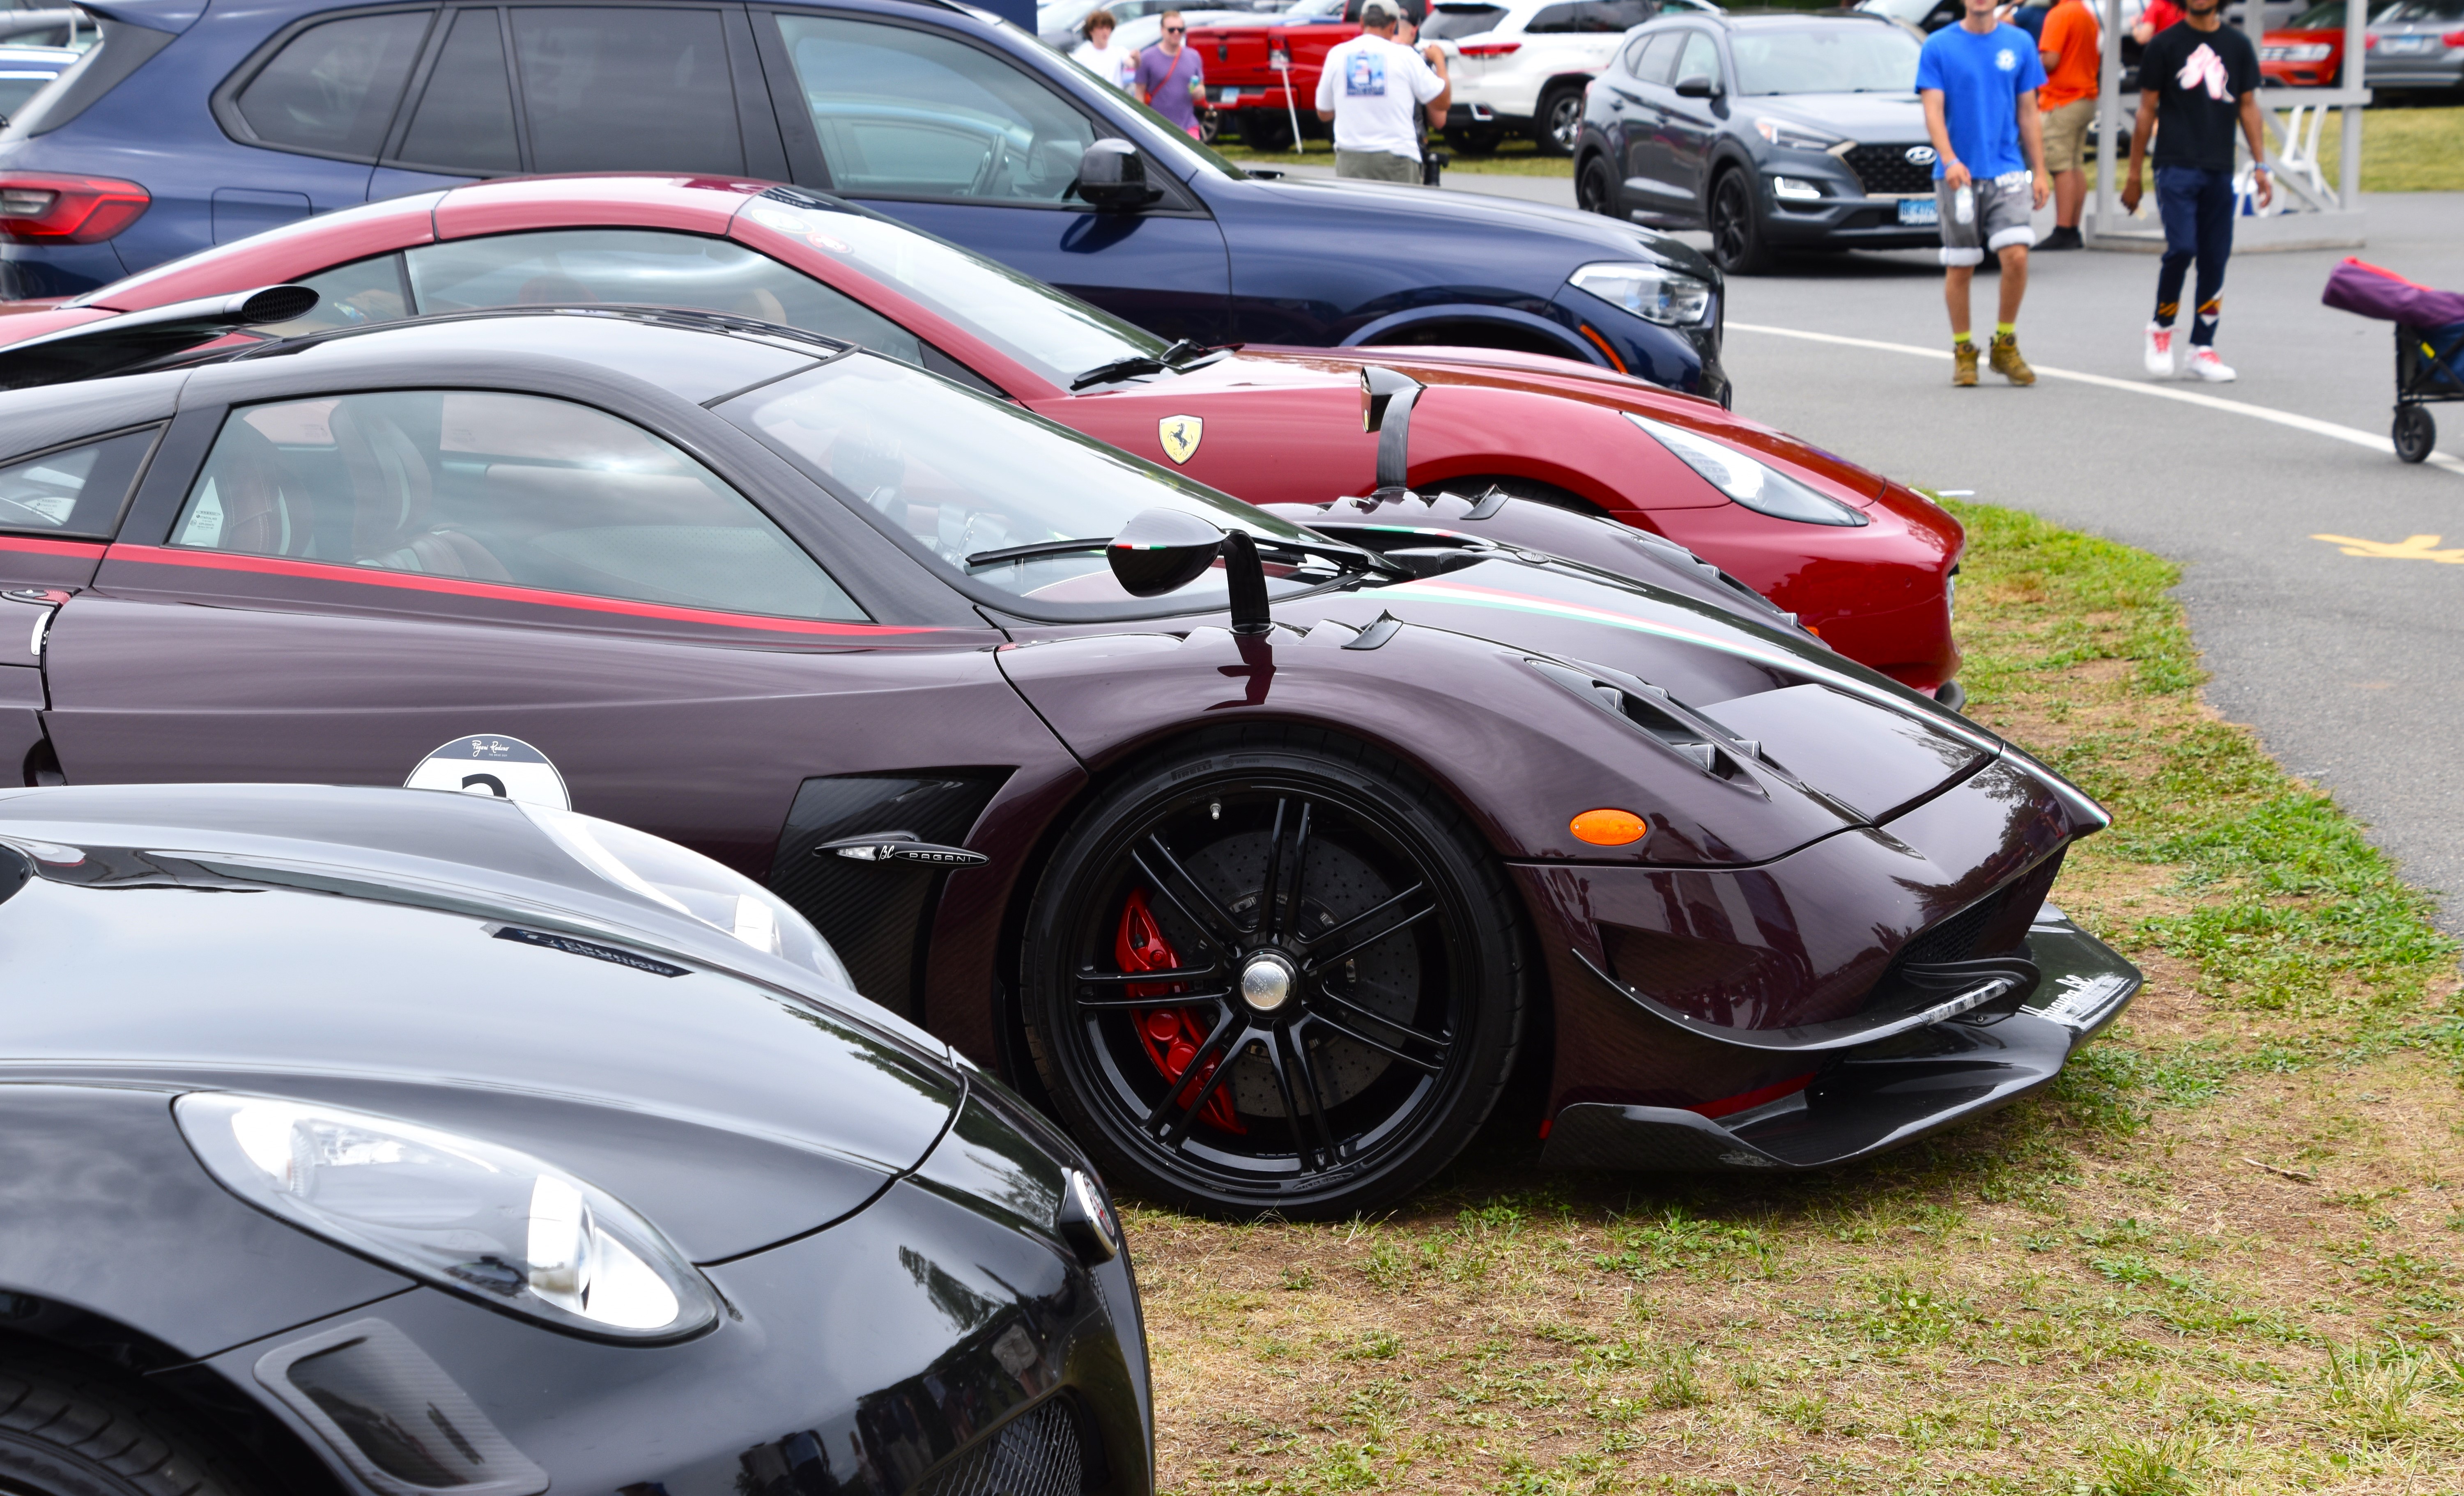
column 2347, row 664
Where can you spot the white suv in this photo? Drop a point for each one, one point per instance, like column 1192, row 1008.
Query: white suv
column 1523, row 64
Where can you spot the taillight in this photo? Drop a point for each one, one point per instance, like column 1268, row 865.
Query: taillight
column 1490, row 49
column 39, row 208
column 2452, row 40
column 1278, row 60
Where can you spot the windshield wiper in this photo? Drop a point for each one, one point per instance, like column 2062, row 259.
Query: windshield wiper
column 1136, row 363
column 1040, row 548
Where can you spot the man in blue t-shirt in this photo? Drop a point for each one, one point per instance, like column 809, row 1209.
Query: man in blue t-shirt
column 1979, row 81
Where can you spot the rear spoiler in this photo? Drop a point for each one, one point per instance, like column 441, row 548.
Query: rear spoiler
column 115, row 344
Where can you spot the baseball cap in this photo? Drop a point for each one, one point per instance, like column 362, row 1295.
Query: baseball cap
column 1377, row 13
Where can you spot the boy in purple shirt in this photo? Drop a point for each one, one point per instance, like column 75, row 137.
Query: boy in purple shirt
column 1170, row 79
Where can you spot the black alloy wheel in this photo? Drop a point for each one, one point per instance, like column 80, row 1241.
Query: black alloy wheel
column 1737, row 226
column 1594, row 190
column 1559, row 122
column 65, row 1431
column 1277, row 973
column 2416, row 432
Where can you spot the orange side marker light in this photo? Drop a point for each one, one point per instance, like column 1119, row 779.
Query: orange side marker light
column 1608, row 828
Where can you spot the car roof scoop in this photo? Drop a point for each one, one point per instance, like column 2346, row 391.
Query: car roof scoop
column 117, row 344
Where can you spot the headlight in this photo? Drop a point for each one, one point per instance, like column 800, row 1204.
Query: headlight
column 1764, row 489
column 1795, row 189
column 483, row 1221
column 1654, row 292
column 1789, row 134
column 685, row 882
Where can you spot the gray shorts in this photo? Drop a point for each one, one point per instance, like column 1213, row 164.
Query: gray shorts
column 2003, row 204
column 1377, row 165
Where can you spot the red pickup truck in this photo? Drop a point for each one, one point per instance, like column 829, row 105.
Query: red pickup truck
column 1261, row 74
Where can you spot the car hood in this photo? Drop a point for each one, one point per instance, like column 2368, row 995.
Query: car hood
column 325, row 944
column 1888, row 118
column 1581, row 237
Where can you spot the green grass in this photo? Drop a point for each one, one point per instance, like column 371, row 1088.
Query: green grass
column 2223, row 1256
column 2403, row 150
column 1517, row 157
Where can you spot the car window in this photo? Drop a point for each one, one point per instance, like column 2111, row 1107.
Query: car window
column 1616, row 15
column 1823, row 59
column 1701, row 55
column 2425, row 10
column 502, row 488
column 333, row 87
column 347, row 295
column 879, row 433
column 1552, row 18
column 569, row 267
column 907, row 113
column 76, row 491
column 1649, row 58
column 465, row 116
column 19, row 85
column 1048, row 330
column 1446, row 22
column 629, row 89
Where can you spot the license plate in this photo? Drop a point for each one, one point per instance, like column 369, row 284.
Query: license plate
column 1227, row 95
column 1924, row 211
column 2408, row 44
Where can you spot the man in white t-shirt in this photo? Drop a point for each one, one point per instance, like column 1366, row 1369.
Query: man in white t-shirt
column 1374, row 88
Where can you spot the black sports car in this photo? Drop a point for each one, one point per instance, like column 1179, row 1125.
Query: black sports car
column 379, row 1141
column 1267, row 858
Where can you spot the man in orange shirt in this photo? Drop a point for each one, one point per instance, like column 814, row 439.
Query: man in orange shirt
column 2072, row 47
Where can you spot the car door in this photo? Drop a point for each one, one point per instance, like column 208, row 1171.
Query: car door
column 962, row 141
column 1649, row 168
column 1692, row 124
column 342, row 587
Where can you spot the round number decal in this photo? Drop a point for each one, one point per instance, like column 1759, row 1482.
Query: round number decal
column 489, row 764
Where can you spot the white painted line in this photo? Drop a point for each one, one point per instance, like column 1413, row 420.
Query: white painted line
column 2299, row 423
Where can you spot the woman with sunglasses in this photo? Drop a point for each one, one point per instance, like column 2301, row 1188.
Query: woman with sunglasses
column 1171, row 80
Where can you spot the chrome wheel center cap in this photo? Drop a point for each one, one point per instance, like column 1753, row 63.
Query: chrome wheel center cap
column 1267, row 982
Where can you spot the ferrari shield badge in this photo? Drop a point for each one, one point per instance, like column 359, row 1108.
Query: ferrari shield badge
column 489, row 764
column 1180, row 435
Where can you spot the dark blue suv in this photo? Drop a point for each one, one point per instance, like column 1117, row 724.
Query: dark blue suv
column 197, row 121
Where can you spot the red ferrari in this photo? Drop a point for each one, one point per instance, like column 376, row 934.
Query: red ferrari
column 1863, row 562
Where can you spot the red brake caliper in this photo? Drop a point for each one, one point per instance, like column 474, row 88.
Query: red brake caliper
column 1172, row 1035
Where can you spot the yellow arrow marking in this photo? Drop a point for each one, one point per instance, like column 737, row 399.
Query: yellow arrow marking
column 2412, row 547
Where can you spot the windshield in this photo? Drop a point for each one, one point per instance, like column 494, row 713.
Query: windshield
column 2330, row 16
column 1852, row 57
column 1449, row 21
column 1053, row 333
column 1912, row 12
column 955, row 474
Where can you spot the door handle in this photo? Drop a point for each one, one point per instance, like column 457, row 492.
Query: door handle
column 901, row 847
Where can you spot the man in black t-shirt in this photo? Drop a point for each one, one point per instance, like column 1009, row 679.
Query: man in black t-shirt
column 2198, row 80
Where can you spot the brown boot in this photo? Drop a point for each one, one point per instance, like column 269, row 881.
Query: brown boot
column 1963, row 363
column 2006, row 363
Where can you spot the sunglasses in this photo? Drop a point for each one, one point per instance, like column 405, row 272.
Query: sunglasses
column 1174, row 30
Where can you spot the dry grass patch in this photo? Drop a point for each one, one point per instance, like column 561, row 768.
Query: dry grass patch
column 2224, row 1254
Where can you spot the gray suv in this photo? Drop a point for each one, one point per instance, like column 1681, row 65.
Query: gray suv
column 1772, row 131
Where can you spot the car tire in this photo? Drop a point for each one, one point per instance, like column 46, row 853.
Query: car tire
column 1379, row 1062
column 1596, row 189
column 1558, row 122
column 66, row 1433
column 1478, row 140
column 1736, row 222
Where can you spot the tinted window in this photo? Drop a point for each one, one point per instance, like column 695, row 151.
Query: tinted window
column 2425, row 10
column 333, row 87
column 466, row 113
column 1649, row 58
column 570, row 266
column 1449, row 21
column 880, row 433
column 1825, row 59
column 1567, row 17
column 1700, row 57
column 908, row 112
column 1617, row 15
column 626, row 89
column 496, row 487
column 73, row 492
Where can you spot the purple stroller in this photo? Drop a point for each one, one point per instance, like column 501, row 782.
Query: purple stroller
column 2428, row 343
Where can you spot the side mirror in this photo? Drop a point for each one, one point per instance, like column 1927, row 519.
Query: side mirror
column 1163, row 550
column 1112, row 178
column 1386, row 401
column 1697, row 85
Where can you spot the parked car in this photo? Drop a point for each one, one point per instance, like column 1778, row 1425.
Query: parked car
column 2416, row 46
column 201, row 127
column 1260, row 853
column 1775, row 131
column 1521, row 66
column 1866, row 561
column 454, row 1143
column 1262, row 71
column 24, row 71
column 2308, row 50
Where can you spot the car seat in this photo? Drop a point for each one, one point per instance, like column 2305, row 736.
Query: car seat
column 392, row 488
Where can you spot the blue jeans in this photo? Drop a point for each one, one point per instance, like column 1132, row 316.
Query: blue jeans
column 2197, row 207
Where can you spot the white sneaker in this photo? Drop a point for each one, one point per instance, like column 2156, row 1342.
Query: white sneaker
column 2205, row 365
column 2159, row 350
